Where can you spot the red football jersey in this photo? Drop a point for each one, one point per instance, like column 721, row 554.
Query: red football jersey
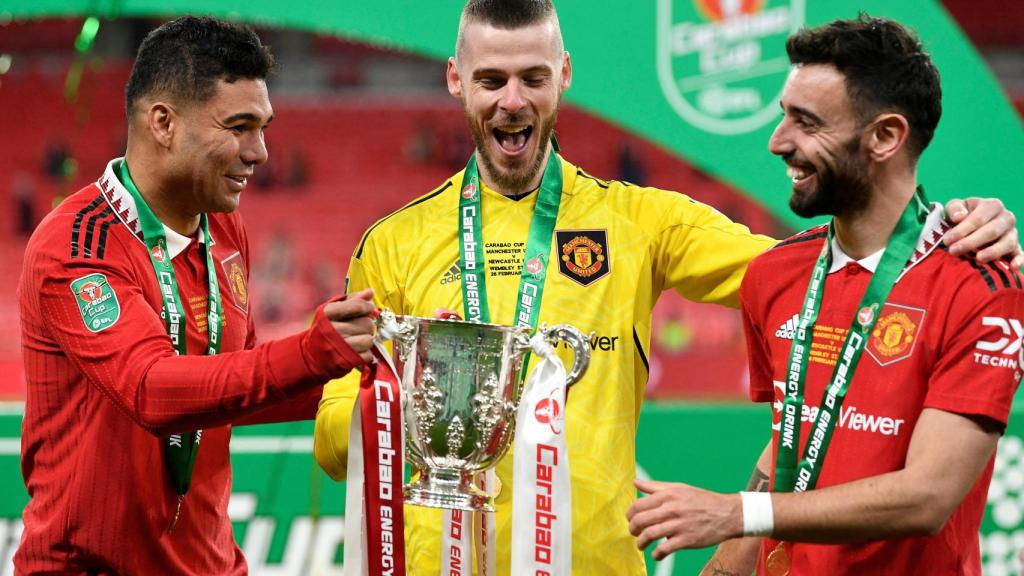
column 105, row 385
column 948, row 337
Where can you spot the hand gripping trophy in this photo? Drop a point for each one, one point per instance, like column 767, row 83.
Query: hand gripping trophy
column 458, row 390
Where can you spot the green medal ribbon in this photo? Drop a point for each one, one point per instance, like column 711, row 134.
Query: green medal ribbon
column 180, row 450
column 790, row 477
column 535, row 259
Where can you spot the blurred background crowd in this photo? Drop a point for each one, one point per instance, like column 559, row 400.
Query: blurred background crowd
column 360, row 130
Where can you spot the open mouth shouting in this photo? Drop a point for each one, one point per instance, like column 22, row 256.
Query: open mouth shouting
column 512, row 140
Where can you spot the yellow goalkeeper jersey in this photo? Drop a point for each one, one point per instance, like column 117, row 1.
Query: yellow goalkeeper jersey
column 616, row 248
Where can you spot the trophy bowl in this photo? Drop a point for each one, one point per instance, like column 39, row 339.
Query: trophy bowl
column 461, row 385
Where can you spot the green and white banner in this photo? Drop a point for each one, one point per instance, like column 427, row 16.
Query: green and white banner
column 699, row 77
column 721, row 65
column 289, row 516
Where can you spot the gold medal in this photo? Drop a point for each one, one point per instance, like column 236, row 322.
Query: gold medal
column 778, row 562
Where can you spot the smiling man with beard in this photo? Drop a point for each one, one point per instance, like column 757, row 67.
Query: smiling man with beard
column 137, row 332
column 839, row 186
column 894, row 389
column 602, row 250
column 511, row 128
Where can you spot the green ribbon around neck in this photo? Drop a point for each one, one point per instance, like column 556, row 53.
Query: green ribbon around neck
column 180, row 450
column 791, row 476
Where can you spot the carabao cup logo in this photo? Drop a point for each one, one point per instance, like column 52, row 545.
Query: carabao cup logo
column 547, row 412
column 722, row 63
column 535, row 266
column 91, row 293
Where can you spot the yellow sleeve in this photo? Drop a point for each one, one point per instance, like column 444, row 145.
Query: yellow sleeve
column 334, row 414
column 702, row 254
column 330, row 436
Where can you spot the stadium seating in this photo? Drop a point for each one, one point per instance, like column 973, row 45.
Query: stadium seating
column 358, row 168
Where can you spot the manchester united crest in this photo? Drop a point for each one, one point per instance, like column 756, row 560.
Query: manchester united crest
column 583, row 254
column 234, row 272
column 895, row 333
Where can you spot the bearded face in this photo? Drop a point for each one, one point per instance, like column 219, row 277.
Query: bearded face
column 820, row 138
column 840, row 184
column 510, row 83
column 514, row 150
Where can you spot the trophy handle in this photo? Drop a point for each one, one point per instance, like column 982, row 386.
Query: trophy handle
column 580, row 347
column 403, row 332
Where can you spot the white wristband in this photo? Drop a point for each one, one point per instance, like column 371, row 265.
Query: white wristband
column 758, row 518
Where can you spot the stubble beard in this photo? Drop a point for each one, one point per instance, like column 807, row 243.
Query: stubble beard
column 842, row 188
column 514, row 181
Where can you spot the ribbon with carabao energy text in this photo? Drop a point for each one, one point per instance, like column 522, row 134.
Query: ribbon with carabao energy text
column 462, row 532
column 483, row 528
column 535, row 259
column 542, row 499
column 457, row 543
column 180, row 450
column 789, row 475
column 374, row 521
column 527, row 313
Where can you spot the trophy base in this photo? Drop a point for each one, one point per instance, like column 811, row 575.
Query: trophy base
column 450, row 488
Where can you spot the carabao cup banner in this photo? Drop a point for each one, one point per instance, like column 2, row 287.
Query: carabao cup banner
column 289, row 516
column 702, row 78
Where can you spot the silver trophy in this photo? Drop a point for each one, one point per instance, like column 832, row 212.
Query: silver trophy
column 461, row 385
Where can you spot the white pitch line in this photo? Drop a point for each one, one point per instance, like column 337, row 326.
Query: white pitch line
column 10, row 408
column 10, row 446
column 271, row 444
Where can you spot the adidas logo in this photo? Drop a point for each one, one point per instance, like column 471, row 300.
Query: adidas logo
column 788, row 328
column 454, row 274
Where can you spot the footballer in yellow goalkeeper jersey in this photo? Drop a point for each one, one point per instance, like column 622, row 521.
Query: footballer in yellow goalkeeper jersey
column 614, row 249
column 623, row 245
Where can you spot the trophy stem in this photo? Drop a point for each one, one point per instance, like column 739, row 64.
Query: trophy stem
column 448, row 488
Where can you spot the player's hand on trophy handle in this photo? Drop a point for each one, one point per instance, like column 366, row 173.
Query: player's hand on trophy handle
column 986, row 226
column 352, row 318
column 684, row 516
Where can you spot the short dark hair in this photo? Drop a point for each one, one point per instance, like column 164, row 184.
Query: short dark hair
column 885, row 67
column 508, row 14
column 185, row 58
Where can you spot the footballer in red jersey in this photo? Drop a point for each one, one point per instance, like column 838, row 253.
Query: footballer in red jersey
column 137, row 330
column 947, row 338
column 890, row 362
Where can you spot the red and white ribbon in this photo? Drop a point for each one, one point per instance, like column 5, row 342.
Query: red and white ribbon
column 374, row 522
column 483, row 528
column 457, row 543
column 464, row 531
column 542, row 499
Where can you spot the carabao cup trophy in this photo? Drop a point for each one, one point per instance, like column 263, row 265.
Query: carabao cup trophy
column 461, row 385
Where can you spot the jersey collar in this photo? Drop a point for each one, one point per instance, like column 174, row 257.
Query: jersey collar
column 176, row 243
column 931, row 236
column 840, row 259
column 122, row 204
